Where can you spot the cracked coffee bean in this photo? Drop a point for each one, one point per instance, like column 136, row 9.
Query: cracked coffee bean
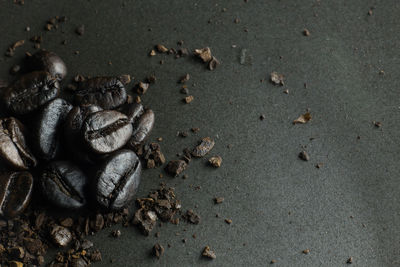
column 15, row 193
column 48, row 61
column 118, row 179
column 72, row 129
column 13, row 148
column 106, row 131
column 133, row 111
column 63, row 185
column 142, row 127
column 106, row 92
column 30, row 92
column 46, row 134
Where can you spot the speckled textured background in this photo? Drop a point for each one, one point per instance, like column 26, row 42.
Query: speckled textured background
column 279, row 204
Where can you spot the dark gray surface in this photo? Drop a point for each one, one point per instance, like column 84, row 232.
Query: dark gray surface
column 279, row 204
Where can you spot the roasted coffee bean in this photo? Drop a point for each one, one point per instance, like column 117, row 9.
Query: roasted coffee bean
column 72, row 130
column 15, row 193
column 106, row 92
column 63, row 184
column 13, row 148
column 142, row 127
column 30, row 92
column 47, row 130
column 118, row 179
column 133, row 111
column 106, row 131
column 48, row 61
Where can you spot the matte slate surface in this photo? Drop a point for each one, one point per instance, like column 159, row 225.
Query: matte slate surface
column 279, row 204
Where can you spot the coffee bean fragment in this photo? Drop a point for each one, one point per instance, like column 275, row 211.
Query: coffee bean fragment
column 125, row 79
column 145, row 219
column 213, row 64
column 306, row 32
column 208, row 253
column 215, row 161
column 218, row 200
column 276, row 78
column 349, row 260
column 106, row 131
column 61, row 236
column 205, row 146
column 106, row 92
column 152, row 53
column 15, row 193
column 30, row 92
column 306, row 251
column 204, row 54
column 161, row 48
column 158, row 250
column 176, row 167
column 191, row 217
column 188, row 99
column 142, row 88
column 304, row 118
column 48, row 61
column 303, row 155
column 63, row 184
column 118, row 179
column 228, row 221
column 13, row 148
column 80, row 30
column 185, row 78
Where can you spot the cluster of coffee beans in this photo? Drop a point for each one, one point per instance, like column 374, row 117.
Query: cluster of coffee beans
column 78, row 154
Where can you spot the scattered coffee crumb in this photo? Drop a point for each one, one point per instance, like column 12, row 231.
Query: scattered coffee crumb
column 15, row 69
column 218, row 200
column 215, row 161
column 185, row 176
column 204, row 54
column 183, row 134
column 185, row 78
column 28, row 29
column 306, row 251
column 195, row 129
column 262, row 117
column 161, row 48
column 370, row 12
column 191, row 217
column 214, row 62
column 142, row 88
column 277, row 79
column 176, row 167
column 188, row 99
column 286, row 91
column 205, row 146
column 273, row 261
column 116, row 233
column 158, row 250
column 306, row 32
column 236, row 20
column 304, row 156
column 125, row 79
column 228, row 221
column 304, row 118
column 151, row 79
column 349, row 260
column 184, row 90
column 319, row 165
column 80, row 30
column 11, row 50
column 152, row 53
column 377, row 124
column 208, row 253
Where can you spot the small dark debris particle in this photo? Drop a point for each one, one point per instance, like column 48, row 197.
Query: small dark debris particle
column 116, row 233
column 125, row 78
column 236, row 20
column 349, row 260
column 304, row 156
column 228, row 221
column 185, row 176
column 319, row 165
column 273, row 261
column 214, row 62
column 306, row 32
column 158, row 250
column 306, row 251
column 218, row 200
column 80, row 30
column 191, row 216
column 176, row 167
column 276, row 78
column 15, row 69
column 377, row 124
column 208, row 253
column 184, row 90
column 286, row 91
column 215, row 161
column 183, row 134
column 185, row 78
column 180, row 42
column 142, row 88
column 262, row 117
column 79, row 78
column 370, row 12
column 205, row 146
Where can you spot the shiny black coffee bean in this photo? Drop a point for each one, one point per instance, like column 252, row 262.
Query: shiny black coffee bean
column 106, row 131
column 117, row 179
column 30, row 92
column 142, row 127
column 106, row 92
column 15, row 193
column 48, row 127
column 13, row 149
column 72, row 130
column 133, row 111
column 63, row 184
column 48, row 61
